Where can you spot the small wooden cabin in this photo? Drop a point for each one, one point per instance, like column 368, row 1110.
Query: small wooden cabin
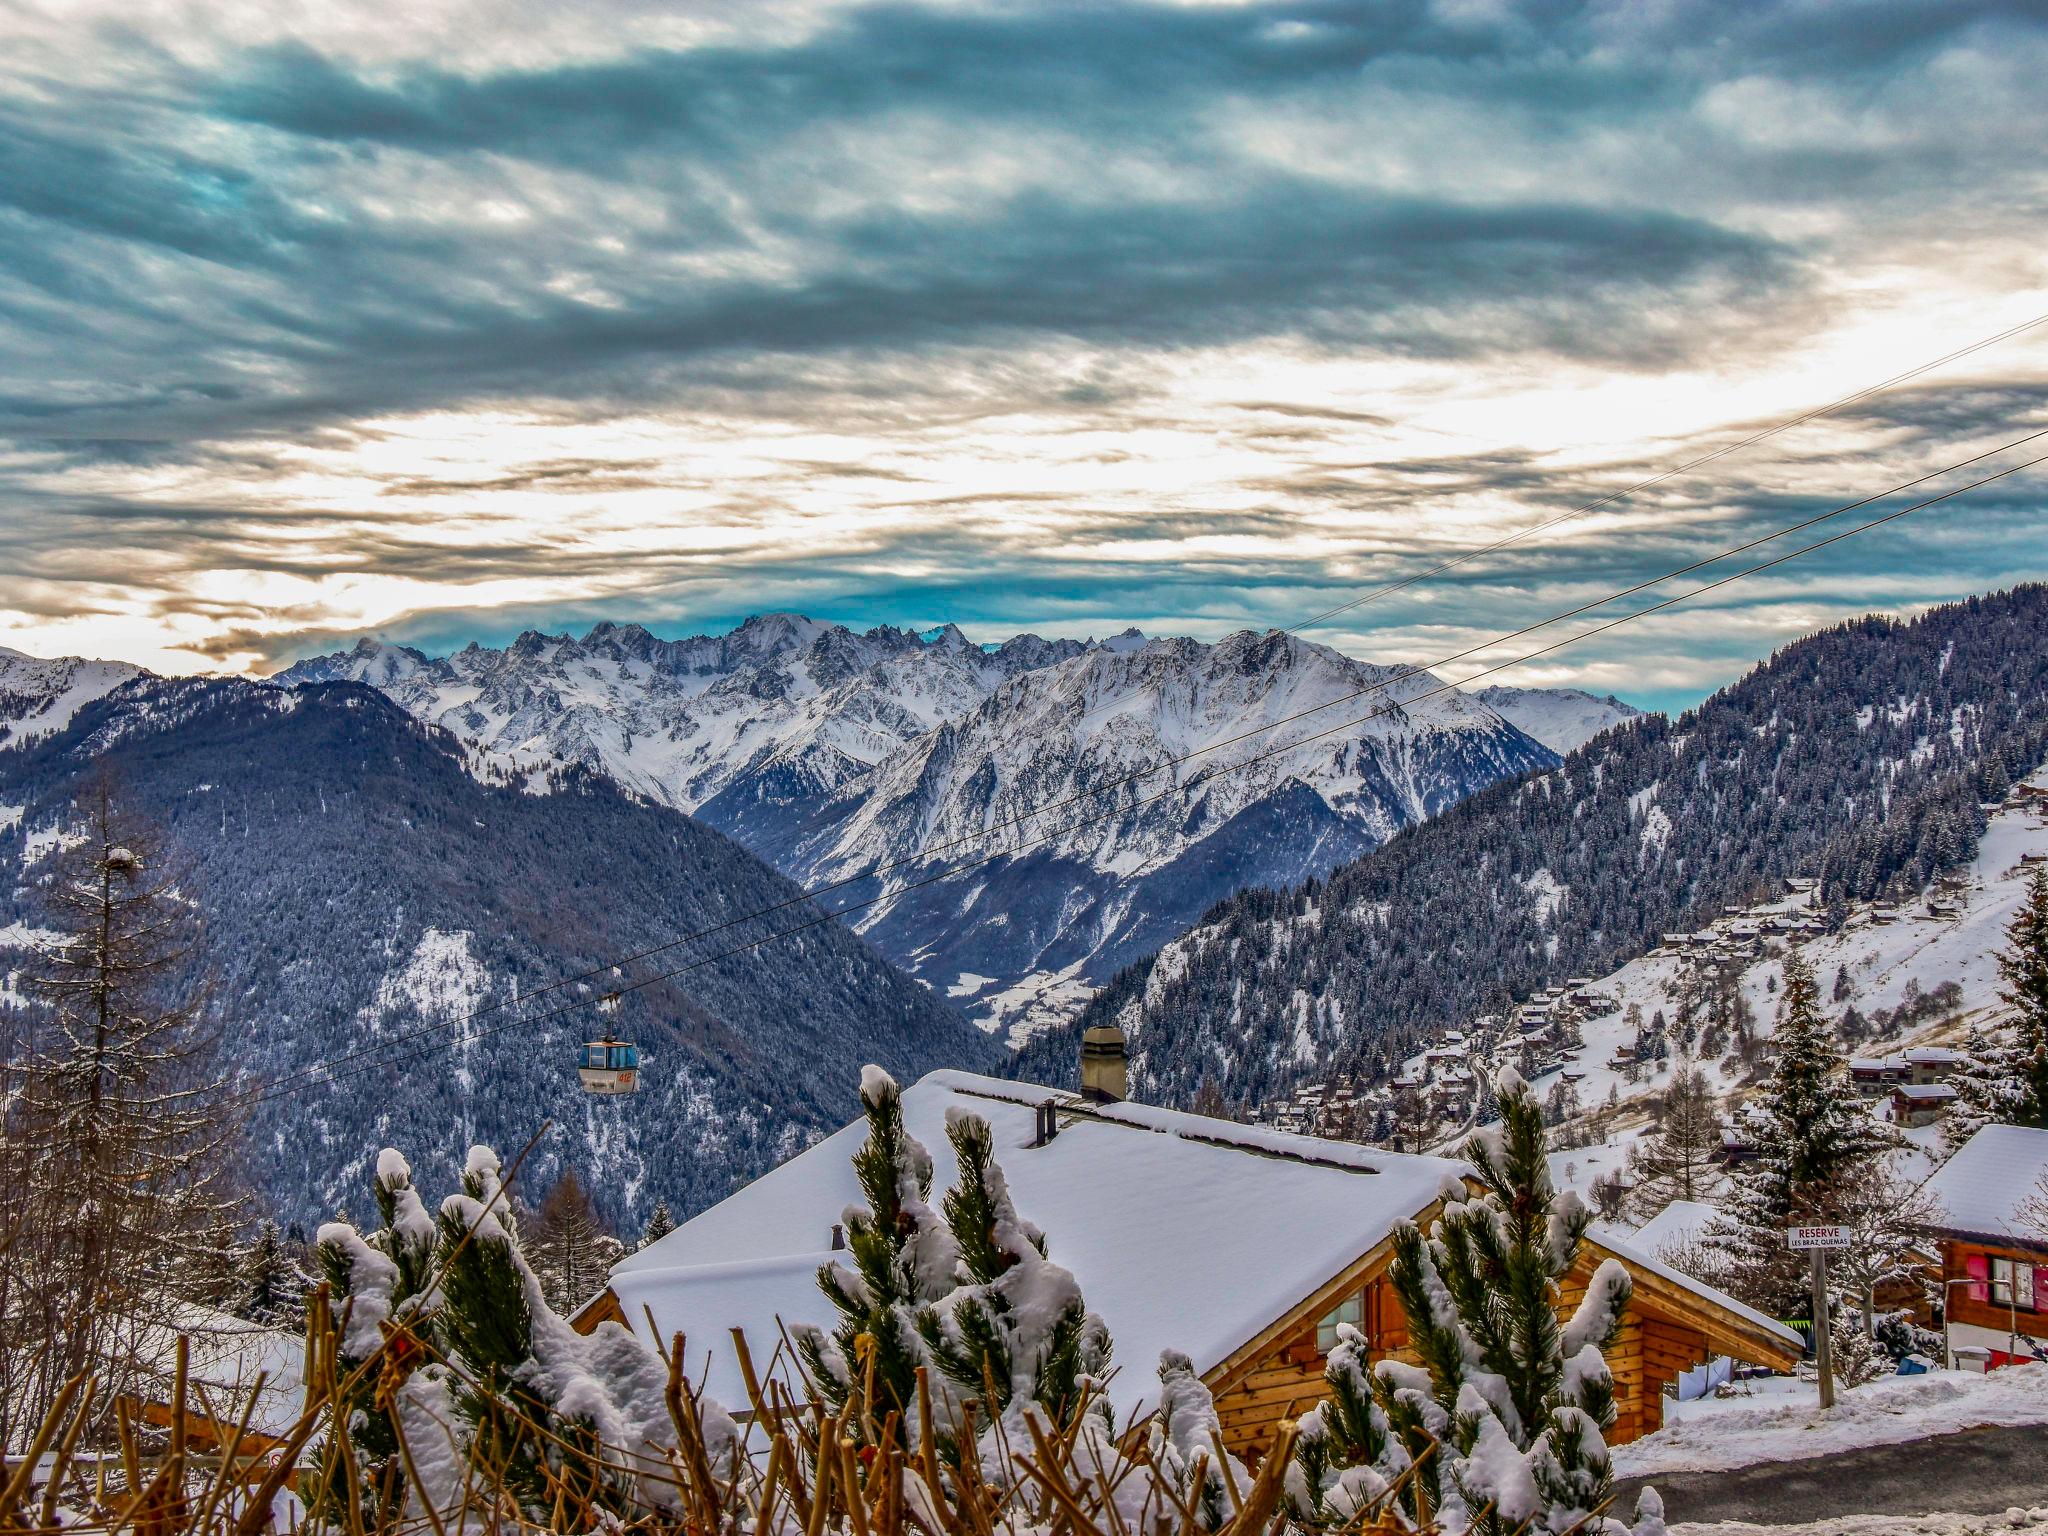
column 1241, row 1246
column 1994, row 1258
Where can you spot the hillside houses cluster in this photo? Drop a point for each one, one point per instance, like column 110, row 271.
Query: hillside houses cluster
column 1539, row 1037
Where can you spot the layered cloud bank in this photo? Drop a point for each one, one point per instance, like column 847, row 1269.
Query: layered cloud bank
column 1067, row 316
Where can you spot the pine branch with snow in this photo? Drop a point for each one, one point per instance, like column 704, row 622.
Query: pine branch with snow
column 1500, row 1426
column 903, row 1259
column 1015, row 1323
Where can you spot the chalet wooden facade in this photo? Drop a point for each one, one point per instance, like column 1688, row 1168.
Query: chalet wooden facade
column 1669, row 1329
column 1994, row 1254
column 1241, row 1246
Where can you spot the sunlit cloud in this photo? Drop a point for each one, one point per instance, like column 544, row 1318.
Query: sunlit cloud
column 1064, row 318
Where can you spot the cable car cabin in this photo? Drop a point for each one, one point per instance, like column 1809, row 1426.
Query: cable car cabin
column 609, row 1066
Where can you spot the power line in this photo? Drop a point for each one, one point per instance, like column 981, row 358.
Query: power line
column 1018, row 821
column 319, row 1073
column 1658, row 479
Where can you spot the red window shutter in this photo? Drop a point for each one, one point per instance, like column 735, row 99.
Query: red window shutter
column 1978, row 1267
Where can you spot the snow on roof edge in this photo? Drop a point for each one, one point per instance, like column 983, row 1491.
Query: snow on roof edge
column 1618, row 1245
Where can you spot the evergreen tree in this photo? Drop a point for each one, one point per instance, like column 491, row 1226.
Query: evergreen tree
column 1017, row 1320
column 659, row 1224
column 1815, row 1144
column 1678, row 1160
column 2004, row 1077
column 903, row 1260
column 2024, row 965
column 570, row 1248
column 273, row 1285
column 1514, row 1399
column 572, row 1426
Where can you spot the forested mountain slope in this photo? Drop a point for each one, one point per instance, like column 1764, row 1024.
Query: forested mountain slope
column 359, row 878
column 1859, row 756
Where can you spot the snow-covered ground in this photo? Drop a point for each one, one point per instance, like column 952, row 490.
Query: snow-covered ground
column 1780, row 1419
column 2034, row 1519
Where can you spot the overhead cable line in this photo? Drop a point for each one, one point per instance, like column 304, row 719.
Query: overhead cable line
column 1658, row 479
column 320, row 1073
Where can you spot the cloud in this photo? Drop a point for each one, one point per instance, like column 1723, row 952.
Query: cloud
column 1039, row 313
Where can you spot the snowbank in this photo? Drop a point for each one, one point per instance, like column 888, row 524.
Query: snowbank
column 1719, row 1433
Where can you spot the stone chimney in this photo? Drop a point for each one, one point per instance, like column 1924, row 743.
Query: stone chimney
column 1104, row 1058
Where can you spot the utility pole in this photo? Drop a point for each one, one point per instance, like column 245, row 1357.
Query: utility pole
column 1817, row 1240
column 1823, row 1343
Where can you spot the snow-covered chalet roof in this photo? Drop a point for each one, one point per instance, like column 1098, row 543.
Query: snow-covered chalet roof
column 1629, row 1248
column 227, row 1360
column 1185, row 1232
column 1981, row 1189
column 1679, row 1222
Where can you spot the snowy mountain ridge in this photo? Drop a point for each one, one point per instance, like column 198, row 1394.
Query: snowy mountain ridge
column 831, row 752
column 38, row 697
column 782, row 705
column 1097, row 854
column 1563, row 719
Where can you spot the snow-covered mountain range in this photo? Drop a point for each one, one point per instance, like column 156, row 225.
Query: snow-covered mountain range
column 783, row 707
column 1098, row 856
column 833, row 753
column 1563, row 719
column 38, row 698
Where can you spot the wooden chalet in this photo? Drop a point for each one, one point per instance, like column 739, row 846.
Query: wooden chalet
column 1994, row 1259
column 229, row 1362
column 1242, row 1246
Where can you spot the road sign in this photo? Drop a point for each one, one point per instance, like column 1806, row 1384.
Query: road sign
column 1799, row 1239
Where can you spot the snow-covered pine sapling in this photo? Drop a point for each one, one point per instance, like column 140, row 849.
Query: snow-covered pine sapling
column 1185, row 1442
column 1347, row 1455
column 1015, row 1323
column 372, row 1281
column 1517, row 1399
column 903, row 1259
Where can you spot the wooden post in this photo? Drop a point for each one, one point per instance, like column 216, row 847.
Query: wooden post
column 1823, row 1348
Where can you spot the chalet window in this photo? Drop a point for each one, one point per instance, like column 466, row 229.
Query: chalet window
column 1350, row 1310
column 2012, row 1285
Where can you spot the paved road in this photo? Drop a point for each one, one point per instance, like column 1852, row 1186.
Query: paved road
column 1973, row 1472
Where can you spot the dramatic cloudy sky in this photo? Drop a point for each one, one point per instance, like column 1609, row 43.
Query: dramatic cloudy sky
column 445, row 319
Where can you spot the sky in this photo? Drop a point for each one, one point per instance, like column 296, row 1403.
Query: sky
column 443, row 321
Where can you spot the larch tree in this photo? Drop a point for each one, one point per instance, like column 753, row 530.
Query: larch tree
column 115, row 1163
column 1679, row 1159
column 1815, row 1145
column 570, row 1248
